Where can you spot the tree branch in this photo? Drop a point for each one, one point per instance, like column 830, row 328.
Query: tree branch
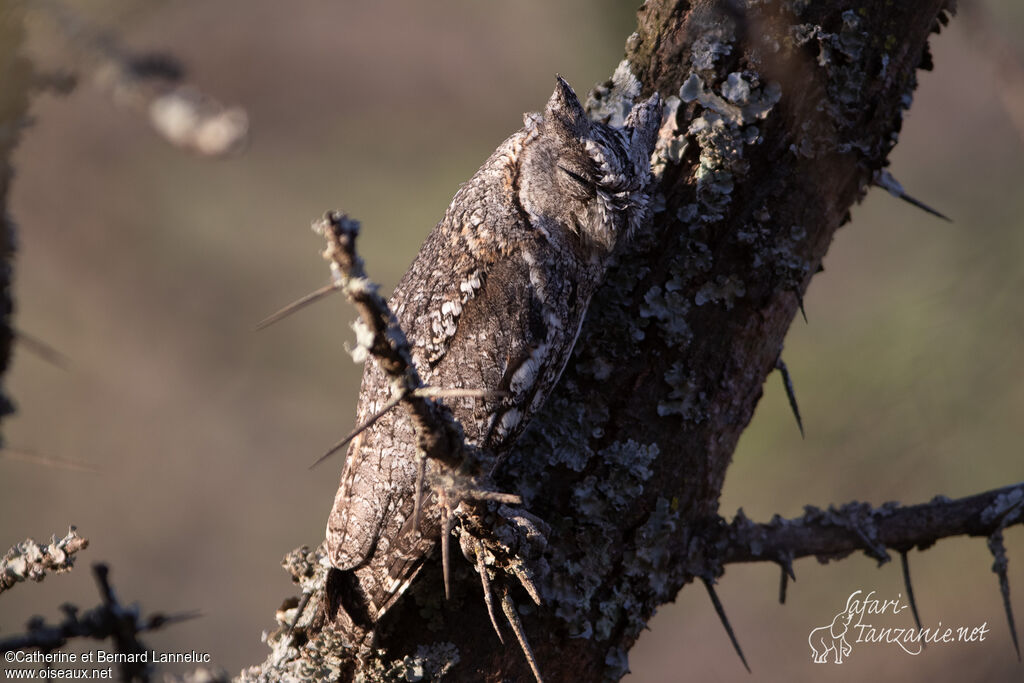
column 16, row 75
column 835, row 533
column 109, row 619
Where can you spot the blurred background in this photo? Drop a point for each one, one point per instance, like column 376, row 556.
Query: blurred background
column 149, row 267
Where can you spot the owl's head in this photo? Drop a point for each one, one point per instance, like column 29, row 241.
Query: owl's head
column 586, row 177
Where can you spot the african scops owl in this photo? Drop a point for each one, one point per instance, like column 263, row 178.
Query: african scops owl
column 494, row 300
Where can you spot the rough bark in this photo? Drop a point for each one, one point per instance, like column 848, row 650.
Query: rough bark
column 788, row 111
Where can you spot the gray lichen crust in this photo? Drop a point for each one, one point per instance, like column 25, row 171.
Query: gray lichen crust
column 494, row 301
column 30, row 560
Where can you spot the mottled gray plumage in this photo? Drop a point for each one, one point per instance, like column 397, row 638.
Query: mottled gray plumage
column 494, row 300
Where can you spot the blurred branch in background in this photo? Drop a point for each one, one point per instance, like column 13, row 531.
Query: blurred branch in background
column 1007, row 62
column 151, row 83
column 16, row 77
column 110, row 619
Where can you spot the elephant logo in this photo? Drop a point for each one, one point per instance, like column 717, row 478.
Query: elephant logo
column 832, row 638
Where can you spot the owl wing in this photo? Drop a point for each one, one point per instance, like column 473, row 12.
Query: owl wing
column 428, row 302
column 481, row 313
column 502, row 340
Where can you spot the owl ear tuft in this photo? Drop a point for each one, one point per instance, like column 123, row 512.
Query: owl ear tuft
column 564, row 109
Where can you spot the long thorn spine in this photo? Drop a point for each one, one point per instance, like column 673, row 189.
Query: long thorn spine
column 446, row 542
column 905, row 563
column 360, row 429
column 509, row 608
column 787, row 382
column 720, row 611
column 995, row 545
column 297, row 305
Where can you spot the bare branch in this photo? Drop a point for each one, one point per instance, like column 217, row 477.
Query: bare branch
column 150, row 83
column 439, row 435
column 110, row 619
column 835, row 533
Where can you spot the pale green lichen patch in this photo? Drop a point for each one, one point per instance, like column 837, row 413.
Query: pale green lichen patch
column 683, row 398
column 650, row 559
column 651, row 578
column 724, row 289
column 618, row 475
column 741, row 101
column 722, row 130
column 612, row 101
column 779, row 250
column 715, row 41
column 669, row 305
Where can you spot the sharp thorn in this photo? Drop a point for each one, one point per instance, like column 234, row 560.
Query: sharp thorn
column 800, row 302
column 509, row 608
column 303, row 601
column 995, row 545
column 786, row 566
column 297, row 305
column 910, row 589
column 787, row 381
column 160, row 620
column 481, row 569
column 421, row 472
column 924, row 207
column 47, row 461
column 42, row 349
column 720, row 611
column 887, row 182
column 331, row 451
column 446, row 540
column 360, row 429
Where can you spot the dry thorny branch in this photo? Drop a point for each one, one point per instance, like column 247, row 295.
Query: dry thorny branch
column 110, row 619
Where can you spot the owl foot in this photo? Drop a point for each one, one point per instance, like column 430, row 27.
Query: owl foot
column 506, row 546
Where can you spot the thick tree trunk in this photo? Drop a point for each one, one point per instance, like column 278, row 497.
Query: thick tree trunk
column 786, row 113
